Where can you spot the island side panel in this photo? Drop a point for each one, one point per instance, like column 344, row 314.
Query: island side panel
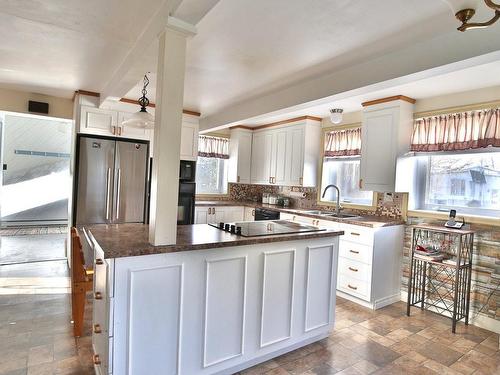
column 220, row 310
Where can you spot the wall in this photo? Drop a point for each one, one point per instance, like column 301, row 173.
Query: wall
column 17, row 101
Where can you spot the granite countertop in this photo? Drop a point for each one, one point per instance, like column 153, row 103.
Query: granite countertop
column 124, row 240
column 371, row 221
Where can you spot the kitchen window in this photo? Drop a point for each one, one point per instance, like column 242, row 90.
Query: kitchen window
column 456, row 165
column 212, row 165
column 341, row 165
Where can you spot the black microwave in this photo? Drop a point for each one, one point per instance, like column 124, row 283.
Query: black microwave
column 187, row 171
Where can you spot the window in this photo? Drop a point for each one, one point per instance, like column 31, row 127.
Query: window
column 468, row 182
column 344, row 172
column 211, row 167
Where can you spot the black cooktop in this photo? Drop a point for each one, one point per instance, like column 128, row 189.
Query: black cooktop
column 265, row 228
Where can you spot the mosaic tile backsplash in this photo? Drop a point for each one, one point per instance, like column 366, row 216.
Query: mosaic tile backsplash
column 392, row 206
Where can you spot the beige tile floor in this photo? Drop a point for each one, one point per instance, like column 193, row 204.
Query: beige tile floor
column 35, row 338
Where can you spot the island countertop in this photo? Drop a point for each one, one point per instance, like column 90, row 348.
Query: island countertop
column 126, row 240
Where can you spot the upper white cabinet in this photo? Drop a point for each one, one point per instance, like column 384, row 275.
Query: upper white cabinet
column 240, row 155
column 386, row 134
column 189, row 140
column 130, row 132
column 98, row 121
column 286, row 155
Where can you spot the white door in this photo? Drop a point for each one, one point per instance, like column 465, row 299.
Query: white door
column 98, row 121
column 295, row 153
column 201, row 215
column 244, row 158
column 261, row 157
column 280, row 157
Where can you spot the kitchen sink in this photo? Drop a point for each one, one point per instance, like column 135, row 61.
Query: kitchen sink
column 317, row 212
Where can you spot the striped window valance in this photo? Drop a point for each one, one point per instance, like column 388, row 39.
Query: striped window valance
column 343, row 143
column 213, row 147
column 457, row 131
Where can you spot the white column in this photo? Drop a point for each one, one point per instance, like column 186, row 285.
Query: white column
column 167, row 132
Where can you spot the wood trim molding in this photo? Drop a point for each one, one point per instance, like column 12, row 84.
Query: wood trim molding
column 282, row 122
column 85, row 92
column 458, row 109
column 389, row 99
column 153, row 105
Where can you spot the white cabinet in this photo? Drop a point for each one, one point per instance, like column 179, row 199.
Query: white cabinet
column 189, row 141
column 249, row 214
column 130, row 132
column 98, row 121
column 240, row 156
column 216, row 214
column 386, row 134
column 286, row 155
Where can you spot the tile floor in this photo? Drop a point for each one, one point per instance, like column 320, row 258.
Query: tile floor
column 35, row 338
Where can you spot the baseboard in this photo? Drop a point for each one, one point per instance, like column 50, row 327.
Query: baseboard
column 355, row 299
column 387, row 301
column 480, row 321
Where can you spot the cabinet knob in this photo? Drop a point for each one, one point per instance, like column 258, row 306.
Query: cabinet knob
column 354, row 251
column 213, row 210
column 238, row 179
column 352, row 287
column 361, row 183
column 301, row 180
column 253, row 212
column 99, row 262
column 209, row 211
column 353, row 269
column 119, row 130
column 97, row 328
column 113, row 130
column 355, row 234
column 98, row 295
column 96, row 359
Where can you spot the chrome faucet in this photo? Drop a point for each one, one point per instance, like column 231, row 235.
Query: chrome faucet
column 337, row 208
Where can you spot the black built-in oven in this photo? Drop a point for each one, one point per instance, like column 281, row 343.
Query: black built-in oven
column 187, row 192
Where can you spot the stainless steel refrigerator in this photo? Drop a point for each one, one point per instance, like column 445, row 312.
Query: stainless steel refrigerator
column 112, row 180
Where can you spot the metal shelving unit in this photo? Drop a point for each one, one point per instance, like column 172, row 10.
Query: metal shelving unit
column 442, row 287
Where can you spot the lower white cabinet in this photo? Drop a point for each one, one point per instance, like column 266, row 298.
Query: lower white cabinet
column 216, row 214
column 249, row 214
column 369, row 270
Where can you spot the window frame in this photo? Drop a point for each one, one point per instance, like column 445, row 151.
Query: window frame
column 321, row 202
column 226, row 194
column 438, row 214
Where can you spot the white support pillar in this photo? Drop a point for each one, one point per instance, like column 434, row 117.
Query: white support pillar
column 167, row 132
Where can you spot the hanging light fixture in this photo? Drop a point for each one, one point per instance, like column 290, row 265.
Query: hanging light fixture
column 336, row 115
column 464, row 10
column 142, row 119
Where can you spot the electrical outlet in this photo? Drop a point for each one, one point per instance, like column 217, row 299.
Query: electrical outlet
column 388, row 198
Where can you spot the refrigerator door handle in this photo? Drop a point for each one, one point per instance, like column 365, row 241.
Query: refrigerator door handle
column 108, row 193
column 118, row 187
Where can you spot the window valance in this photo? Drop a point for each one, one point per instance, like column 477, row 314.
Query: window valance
column 213, row 147
column 458, row 131
column 343, row 143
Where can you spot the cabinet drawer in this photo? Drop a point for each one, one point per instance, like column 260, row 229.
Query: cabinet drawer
column 357, row 288
column 354, row 269
column 358, row 234
column 355, row 251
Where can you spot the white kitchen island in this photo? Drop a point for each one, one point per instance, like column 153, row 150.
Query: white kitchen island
column 215, row 303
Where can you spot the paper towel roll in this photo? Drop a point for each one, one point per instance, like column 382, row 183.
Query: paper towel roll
column 297, row 194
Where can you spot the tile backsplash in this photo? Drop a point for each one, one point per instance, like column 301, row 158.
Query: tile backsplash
column 388, row 204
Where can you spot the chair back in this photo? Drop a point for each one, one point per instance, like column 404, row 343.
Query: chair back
column 78, row 273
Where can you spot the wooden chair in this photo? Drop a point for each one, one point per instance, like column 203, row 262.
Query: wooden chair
column 81, row 282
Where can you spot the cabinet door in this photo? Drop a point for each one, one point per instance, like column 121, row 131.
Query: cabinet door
column 233, row 214
column 295, row 154
column 249, row 214
column 218, row 215
column 98, row 121
column 189, row 141
column 280, row 157
column 201, row 215
column 244, row 158
column 131, row 132
column 261, row 157
column 378, row 161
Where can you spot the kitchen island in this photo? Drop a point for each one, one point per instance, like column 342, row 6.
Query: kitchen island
column 214, row 303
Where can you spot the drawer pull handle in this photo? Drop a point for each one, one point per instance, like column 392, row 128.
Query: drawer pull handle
column 352, row 287
column 354, row 251
column 98, row 295
column 97, row 359
column 97, row 328
column 99, row 261
column 353, row 269
column 355, row 234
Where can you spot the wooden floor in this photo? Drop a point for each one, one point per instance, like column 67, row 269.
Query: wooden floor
column 35, row 338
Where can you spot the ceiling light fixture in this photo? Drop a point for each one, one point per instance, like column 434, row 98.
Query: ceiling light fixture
column 464, row 10
column 142, row 119
column 336, row 115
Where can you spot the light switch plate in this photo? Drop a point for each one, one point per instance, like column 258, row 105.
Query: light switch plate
column 388, row 198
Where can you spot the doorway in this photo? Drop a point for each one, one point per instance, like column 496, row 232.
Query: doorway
column 35, row 187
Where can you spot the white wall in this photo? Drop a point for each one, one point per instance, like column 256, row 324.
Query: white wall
column 17, row 101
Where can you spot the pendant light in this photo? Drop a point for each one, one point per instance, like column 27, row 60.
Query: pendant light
column 142, row 119
column 464, row 10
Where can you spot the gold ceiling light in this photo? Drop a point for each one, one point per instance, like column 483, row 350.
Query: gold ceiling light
column 466, row 9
